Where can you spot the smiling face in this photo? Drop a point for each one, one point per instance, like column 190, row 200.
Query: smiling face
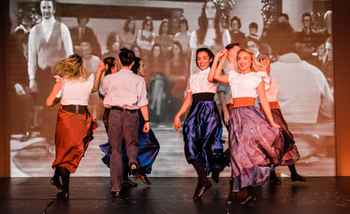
column 244, row 61
column 47, row 9
column 141, row 70
column 203, row 60
column 210, row 10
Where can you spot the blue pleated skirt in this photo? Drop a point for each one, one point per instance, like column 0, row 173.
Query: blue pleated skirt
column 202, row 133
column 148, row 146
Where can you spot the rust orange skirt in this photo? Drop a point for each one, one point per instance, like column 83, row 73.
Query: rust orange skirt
column 73, row 132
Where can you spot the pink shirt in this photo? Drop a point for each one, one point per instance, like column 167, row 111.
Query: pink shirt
column 124, row 89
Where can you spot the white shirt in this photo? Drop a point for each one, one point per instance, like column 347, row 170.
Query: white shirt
column 303, row 90
column 47, row 28
column 124, row 89
column 271, row 87
column 76, row 92
column 145, row 44
column 244, row 85
column 199, row 83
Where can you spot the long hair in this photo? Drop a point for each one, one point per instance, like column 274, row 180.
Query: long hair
column 255, row 65
column 126, row 26
column 110, row 63
column 136, row 66
column 203, row 26
column 71, row 68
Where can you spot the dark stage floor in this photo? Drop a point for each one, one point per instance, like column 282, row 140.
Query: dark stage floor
column 173, row 195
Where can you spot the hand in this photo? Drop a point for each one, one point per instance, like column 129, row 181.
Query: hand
column 222, row 54
column 177, row 123
column 226, row 116
column 146, row 127
column 275, row 125
column 33, row 86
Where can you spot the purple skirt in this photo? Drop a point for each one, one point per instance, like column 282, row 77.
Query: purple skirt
column 254, row 146
column 290, row 153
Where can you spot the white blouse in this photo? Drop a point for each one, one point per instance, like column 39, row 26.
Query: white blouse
column 199, row 83
column 244, row 85
column 76, row 92
column 271, row 87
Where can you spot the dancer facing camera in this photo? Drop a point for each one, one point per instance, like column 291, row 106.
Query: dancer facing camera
column 125, row 94
column 74, row 124
column 290, row 153
column 202, row 128
column 252, row 135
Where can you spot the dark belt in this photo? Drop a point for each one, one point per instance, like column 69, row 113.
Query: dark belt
column 202, row 97
column 78, row 109
column 124, row 109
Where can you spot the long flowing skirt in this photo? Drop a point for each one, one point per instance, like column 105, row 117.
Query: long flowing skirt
column 290, row 151
column 148, row 146
column 202, row 132
column 254, row 146
column 73, row 133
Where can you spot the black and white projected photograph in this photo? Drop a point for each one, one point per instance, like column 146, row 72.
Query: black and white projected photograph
column 296, row 35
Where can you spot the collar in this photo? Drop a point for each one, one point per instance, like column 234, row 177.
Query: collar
column 49, row 21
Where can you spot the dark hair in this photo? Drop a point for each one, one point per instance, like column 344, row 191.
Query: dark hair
column 164, row 21
column 136, row 66
column 236, row 18
column 154, row 46
column 253, row 25
column 126, row 57
column 126, row 25
column 232, row 45
column 79, row 18
column 145, row 21
column 203, row 26
column 111, row 39
column 184, row 21
column 110, row 61
column 284, row 15
column 208, row 51
column 178, row 44
column 53, row 2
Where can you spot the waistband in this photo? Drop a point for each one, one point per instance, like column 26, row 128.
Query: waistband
column 202, row 97
column 274, row 105
column 78, row 109
column 242, row 102
column 123, row 109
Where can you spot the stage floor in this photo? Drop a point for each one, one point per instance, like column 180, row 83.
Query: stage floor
column 173, row 195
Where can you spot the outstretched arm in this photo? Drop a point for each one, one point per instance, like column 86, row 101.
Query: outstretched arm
column 53, row 97
column 216, row 73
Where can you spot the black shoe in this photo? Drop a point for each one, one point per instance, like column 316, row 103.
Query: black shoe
column 201, row 190
column 133, row 169
column 144, row 179
column 115, row 194
column 274, row 180
column 297, row 177
column 215, row 176
column 55, row 181
column 129, row 184
column 64, row 196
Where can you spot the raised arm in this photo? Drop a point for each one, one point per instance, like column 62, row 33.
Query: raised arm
column 216, row 73
column 265, row 104
column 99, row 75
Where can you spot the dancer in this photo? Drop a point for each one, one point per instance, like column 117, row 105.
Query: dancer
column 291, row 154
column 252, row 139
column 110, row 65
column 148, row 145
column 74, row 123
column 202, row 129
column 125, row 92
